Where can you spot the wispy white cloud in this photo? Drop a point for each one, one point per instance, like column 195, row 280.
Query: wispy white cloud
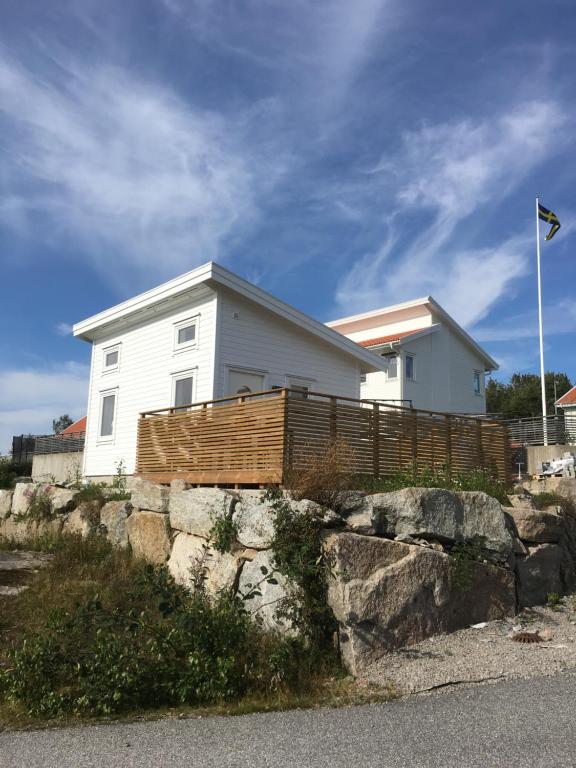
column 30, row 398
column 63, row 329
column 146, row 183
column 559, row 318
column 451, row 171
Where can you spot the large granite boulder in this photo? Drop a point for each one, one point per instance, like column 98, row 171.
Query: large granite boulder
column 149, row 496
column 192, row 552
column 5, row 503
column 253, row 516
column 61, row 499
column 149, row 536
column 434, row 514
column 536, row 526
column 539, row 574
column 386, row 594
column 265, row 606
column 22, row 496
column 83, row 520
column 21, row 530
column 194, row 511
column 113, row 517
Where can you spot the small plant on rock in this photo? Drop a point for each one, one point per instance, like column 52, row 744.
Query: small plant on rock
column 554, row 601
column 224, row 532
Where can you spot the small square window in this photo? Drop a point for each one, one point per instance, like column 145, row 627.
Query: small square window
column 409, row 367
column 185, row 335
column 111, row 360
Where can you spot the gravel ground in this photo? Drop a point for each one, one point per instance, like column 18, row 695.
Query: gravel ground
column 484, row 654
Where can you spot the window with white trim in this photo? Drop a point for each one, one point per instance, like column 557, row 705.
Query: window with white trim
column 392, row 369
column 477, row 383
column 111, row 358
column 107, row 422
column 186, row 334
column 409, row 369
column 183, row 389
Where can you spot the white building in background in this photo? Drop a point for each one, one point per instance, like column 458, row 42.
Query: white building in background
column 203, row 335
column 430, row 360
column 568, row 405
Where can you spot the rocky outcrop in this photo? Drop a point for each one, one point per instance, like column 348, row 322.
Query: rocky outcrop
column 192, row 553
column 5, row 503
column 150, row 496
column 265, row 607
column 194, row 511
column 386, row 594
column 539, row 574
column 83, row 520
column 254, row 521
column 149, row 536
column 538, row 527
column 113, row 516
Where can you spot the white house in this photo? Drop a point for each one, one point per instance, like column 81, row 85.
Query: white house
column 203, row 335
column 568, row 404
column 431, row 360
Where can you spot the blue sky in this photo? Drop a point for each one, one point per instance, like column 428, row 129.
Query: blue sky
column 344, row 155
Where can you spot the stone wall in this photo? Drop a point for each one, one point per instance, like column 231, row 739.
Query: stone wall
column 404, row 565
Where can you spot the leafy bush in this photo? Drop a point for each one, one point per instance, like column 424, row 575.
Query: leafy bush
column 436, row 477
column 9, row 471
column 100, row 492
column 99, row 633
column 548, row 499
column 224, row 533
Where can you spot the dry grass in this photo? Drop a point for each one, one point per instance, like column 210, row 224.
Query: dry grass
column 327, row 476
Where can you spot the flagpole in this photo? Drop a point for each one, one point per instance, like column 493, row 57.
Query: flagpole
column 542, row 378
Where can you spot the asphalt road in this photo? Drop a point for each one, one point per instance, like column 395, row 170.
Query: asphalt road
column 521, row 723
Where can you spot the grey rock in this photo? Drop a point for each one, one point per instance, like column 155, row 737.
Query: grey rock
column 83, row 520
column 22, row 531
column 537, row 526
column 23, row 494
column 179, row 485
column 149, row 496
column 264, row 608
column 188, row 552
column 386, row 594
column 194, row 511
column 113, row 516
column 521, row 501
column 539, row 574
column 253, row 517
column 5, row 503
column 149, row 536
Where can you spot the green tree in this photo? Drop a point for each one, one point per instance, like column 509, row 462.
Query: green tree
column 60, row 424
column 521, row 397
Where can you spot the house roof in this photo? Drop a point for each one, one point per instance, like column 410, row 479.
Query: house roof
column 213, row 276
column 78, row 426
column 390, row 339
column 438, row 313
column 568, row 399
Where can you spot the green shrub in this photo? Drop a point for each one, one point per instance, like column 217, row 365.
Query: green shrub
column 436, row 477
column 549, row 499
column 100, row 492
column 224, row 532
column 9, row 471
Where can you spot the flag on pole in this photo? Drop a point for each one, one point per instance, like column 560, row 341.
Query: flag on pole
column 551, row 218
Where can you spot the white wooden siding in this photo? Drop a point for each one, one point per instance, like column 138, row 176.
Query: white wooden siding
column 144, row 379
column 251, row 337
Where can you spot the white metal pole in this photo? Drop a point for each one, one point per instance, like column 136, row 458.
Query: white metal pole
column 542, row 379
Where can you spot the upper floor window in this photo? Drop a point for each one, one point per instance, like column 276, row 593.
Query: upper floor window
column 111, row 360
column 185, row 334
column 392, row 370
column 477, row 382
column 410, row 367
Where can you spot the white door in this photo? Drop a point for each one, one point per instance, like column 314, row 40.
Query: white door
column 244, row 382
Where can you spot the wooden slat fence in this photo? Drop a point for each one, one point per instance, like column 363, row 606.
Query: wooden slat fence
column 257, row 438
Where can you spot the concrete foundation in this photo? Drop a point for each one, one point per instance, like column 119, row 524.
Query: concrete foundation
column 57, row 467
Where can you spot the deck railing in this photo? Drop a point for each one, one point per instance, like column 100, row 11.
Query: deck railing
column 258, row 438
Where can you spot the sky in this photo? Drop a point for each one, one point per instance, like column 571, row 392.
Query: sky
column 342, row 155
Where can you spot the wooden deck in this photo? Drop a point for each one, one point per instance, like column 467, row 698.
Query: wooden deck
column 256, row 439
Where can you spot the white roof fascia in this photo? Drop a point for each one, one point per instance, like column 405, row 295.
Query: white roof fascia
column 214, row 273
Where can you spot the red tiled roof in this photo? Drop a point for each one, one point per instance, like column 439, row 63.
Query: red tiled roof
column 569, row 398
column 78, row 426
column 389, row 339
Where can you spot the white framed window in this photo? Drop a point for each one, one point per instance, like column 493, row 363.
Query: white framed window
column 183, row 388
column 477, row 383
column 111, row 358
column 410, row 368
column 107, row 416
column 186, row 334
column 244, row 381
column 392, row 369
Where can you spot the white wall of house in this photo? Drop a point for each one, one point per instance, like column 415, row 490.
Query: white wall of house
column 144, row 378
column 443, row 380
column 254, row 340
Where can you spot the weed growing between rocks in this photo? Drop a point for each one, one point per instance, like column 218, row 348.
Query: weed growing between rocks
column 39, row 506
column 224, row 533
column 548, row 499
column 463, row 555
column 298, row 554
column 327, row 478
column 436, row 477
